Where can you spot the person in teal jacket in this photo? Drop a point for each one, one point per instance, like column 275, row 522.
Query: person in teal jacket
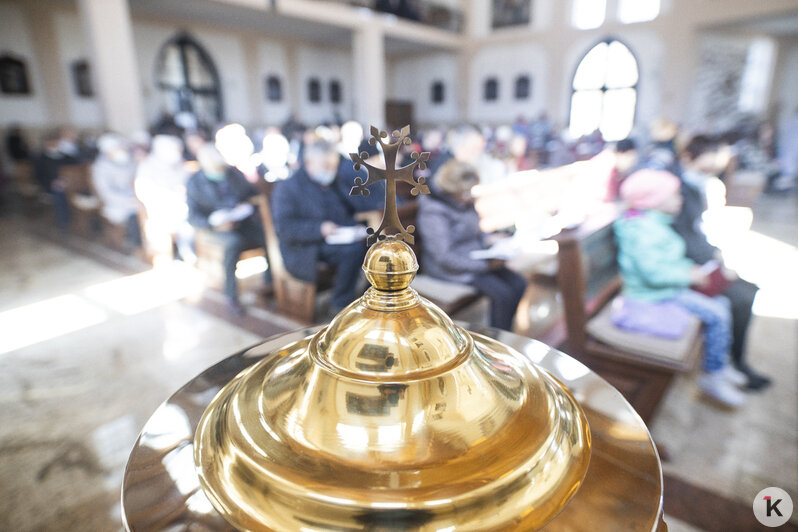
column 654, row 269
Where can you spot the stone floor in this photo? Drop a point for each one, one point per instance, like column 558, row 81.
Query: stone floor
column 87, row 353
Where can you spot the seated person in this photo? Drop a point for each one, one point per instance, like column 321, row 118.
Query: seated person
column 308, row 207
column 112, row 174
column 161, row 187
column 654, row 269
column 449, row 227
column 624, row 162
column 700, row 163
column 47, row 171
column 218, row 198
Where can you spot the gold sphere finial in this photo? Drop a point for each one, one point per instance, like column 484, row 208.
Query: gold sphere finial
column 390, row 265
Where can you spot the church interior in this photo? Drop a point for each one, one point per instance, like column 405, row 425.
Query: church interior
column 183, row 179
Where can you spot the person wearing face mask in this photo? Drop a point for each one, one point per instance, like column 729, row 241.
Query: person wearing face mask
column 309, row 209
column 450, row 233
column 219, row 200
column 112, row 174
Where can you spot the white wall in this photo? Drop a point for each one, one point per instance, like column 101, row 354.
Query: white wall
column 506, row 63
column 412, row 79
column 326, row 64
column 15, row 38
column 272, row 61
column 72, row 46
column 787, row 93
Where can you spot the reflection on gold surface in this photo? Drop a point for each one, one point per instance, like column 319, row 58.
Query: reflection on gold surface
column 392, row 416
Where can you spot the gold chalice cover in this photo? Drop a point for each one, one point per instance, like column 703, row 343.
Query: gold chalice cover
column 392, row 418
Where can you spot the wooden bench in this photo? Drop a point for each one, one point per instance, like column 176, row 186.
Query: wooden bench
column 641, row 367
column 295, row 298
column 84, row 205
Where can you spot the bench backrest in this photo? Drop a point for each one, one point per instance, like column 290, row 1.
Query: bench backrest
column 587, row 275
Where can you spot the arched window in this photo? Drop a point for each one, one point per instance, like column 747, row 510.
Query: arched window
column 438, row 92
column 604, row 93
column 314, row 90
column 274, row 89
column 335, row 91
column 523, row 87
column 491, row 91
column 187, row 79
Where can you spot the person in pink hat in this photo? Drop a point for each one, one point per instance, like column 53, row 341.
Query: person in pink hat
column 657, row 274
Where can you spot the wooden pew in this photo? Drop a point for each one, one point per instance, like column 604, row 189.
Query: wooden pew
column 640, row 366
column 84, row 205
column 295, row 298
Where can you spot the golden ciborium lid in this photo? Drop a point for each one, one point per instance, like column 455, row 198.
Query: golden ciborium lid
column 392, row 418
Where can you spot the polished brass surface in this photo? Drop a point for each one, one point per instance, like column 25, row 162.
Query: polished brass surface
column 622, row 489
column 392, row 416
column 390, row 174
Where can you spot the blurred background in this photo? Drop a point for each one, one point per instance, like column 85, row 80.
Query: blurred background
column 174, row 180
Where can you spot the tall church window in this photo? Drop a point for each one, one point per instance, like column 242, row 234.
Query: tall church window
column 274, row 89
column 335, row 91
column 631, row 11
column 588, row 14
column 604, row 91
column 523, row 87
column 438, row 92
column 491, row 90
column 187, row 80
column 314, row 90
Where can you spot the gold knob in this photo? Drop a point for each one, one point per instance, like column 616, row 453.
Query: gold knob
column 390, row 265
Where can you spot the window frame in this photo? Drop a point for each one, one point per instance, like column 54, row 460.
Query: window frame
column 604, row 89
column 491, row 81
column 314, row 89
column 529, row 87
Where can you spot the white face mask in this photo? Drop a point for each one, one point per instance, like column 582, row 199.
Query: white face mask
column 323, row 177
column 119, row 157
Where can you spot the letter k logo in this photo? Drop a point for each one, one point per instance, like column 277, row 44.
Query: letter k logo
column 772, row 506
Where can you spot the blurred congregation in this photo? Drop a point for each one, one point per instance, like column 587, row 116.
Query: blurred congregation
column 596, row 171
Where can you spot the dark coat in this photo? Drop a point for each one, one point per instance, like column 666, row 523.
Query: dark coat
column 204, row 195
column 688, row 225
column 449, row 232
column 299, row 206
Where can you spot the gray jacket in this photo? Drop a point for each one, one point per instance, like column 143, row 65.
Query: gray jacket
column 449, row 231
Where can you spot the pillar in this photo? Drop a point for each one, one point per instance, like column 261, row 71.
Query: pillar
column 368, row 44
column 109, row 32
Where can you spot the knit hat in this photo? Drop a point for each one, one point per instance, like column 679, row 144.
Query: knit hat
column 648, row 189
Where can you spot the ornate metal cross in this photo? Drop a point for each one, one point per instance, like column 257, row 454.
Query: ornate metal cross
column 391, row 174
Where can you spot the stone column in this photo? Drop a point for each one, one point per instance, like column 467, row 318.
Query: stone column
column 368, row 47
column 109, row 32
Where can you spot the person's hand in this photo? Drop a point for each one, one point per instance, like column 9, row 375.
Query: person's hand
column 218, row 218
column 698, row 277
column 495, row 264
column 228, row 226
column 729, row 274
column 328, row 228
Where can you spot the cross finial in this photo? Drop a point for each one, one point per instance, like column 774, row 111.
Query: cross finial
column 391, row 174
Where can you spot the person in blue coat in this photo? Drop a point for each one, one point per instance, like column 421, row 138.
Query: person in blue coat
column 308, row 208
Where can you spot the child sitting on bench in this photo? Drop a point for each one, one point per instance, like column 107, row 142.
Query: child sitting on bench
column 655, row 271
